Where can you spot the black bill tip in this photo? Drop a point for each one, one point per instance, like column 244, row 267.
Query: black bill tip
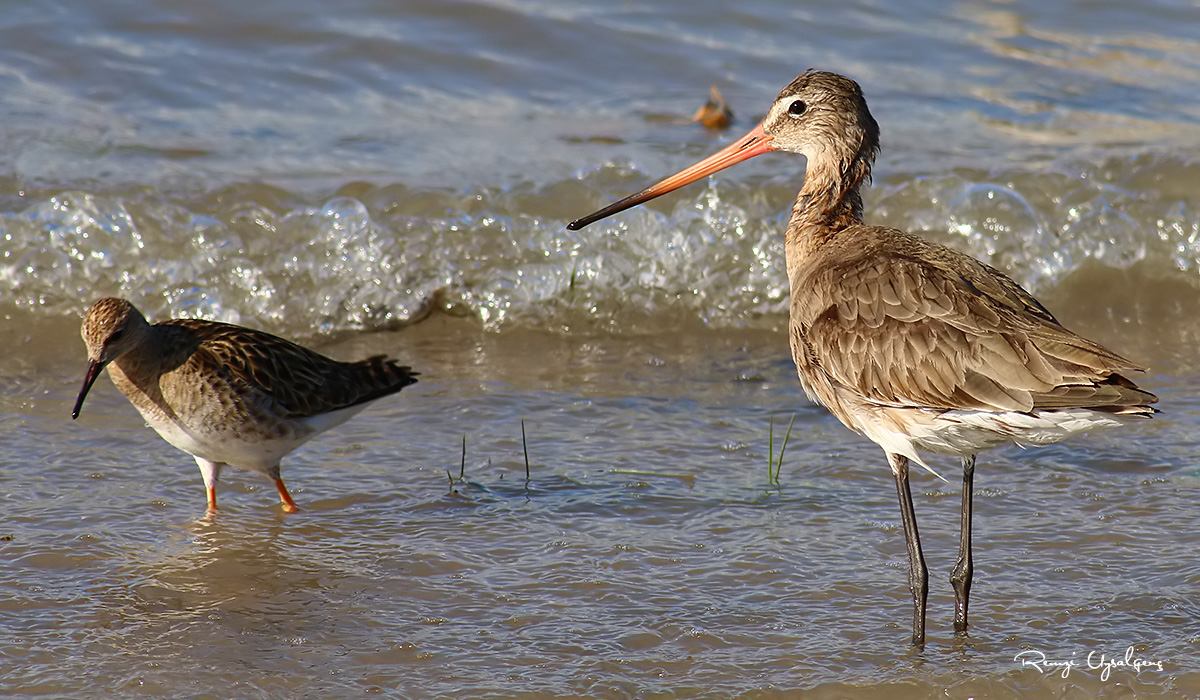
column 93, row 371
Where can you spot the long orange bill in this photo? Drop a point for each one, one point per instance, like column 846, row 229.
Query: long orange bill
column 755, row 143
column 93, row 371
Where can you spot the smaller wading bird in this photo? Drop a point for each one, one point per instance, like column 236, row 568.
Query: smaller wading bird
column 227, row 394
column 913, row 344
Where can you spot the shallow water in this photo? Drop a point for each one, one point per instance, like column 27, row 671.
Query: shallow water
column 330, row 174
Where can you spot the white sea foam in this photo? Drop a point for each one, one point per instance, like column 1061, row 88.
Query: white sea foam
column 265, row 258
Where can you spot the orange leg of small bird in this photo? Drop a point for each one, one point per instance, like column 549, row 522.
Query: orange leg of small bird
column 212, row 498
column 289, row 506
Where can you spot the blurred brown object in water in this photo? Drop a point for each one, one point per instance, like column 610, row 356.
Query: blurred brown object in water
column 715, row 114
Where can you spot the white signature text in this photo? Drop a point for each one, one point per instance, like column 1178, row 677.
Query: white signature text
column 1095, row 661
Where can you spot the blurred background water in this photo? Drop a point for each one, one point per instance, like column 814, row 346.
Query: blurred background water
column 396, row 177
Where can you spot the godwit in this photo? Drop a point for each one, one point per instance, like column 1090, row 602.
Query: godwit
column 914, row 345
column 225, row 394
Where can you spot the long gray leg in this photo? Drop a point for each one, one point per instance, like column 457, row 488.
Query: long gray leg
column 960, row 578
column 918, row 575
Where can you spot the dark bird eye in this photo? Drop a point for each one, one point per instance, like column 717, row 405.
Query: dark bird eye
column 797, row 108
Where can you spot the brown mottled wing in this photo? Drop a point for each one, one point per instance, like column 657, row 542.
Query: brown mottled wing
column 303, row 382
column 922, row 325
